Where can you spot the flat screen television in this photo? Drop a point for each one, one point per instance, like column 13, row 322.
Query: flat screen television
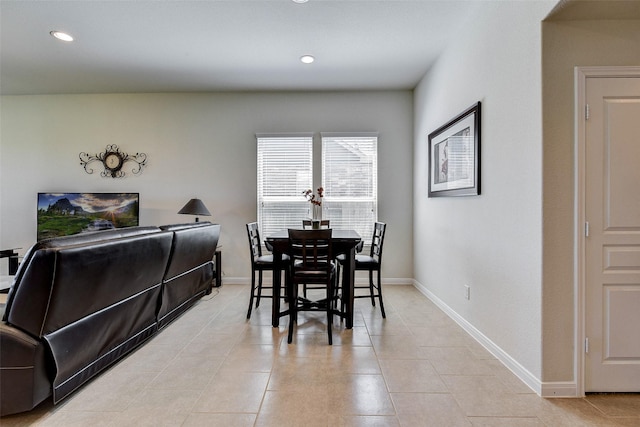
column 63, row 214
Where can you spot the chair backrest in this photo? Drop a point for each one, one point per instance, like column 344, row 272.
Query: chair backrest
column 311, row 250
column 307, row 223
column 254, row 240
column 377, row 241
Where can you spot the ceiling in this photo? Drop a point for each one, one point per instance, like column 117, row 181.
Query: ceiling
column 222, row 45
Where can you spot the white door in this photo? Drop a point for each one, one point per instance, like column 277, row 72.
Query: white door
column 612, row 242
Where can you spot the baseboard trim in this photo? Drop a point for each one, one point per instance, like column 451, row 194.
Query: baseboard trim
column 559, row 389
column 520, row 371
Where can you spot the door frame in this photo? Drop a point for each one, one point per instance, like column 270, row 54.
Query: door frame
column 581, row 74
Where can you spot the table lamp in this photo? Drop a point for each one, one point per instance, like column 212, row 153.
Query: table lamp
column 195, row 207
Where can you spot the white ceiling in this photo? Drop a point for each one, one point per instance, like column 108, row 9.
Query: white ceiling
column 222, row 45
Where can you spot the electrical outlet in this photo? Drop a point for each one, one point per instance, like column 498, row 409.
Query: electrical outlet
column 467, row 291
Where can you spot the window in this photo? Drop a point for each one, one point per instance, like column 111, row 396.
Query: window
column 350, row 181
column 284, row 172
column 349, row 166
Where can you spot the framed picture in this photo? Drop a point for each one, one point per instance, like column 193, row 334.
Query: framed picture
column 454, row 156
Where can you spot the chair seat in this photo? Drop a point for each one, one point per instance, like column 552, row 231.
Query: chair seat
column 313, row 275
column 267, row 260
column 365, row 261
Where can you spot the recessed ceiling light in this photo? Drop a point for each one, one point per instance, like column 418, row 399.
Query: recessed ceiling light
column 307, row 59
column 61, row 36
column 300, row 1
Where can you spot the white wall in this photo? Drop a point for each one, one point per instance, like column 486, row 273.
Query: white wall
column 198, row 145
column 492, row 242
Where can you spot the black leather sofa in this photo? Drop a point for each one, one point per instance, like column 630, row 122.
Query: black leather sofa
column 80, row 303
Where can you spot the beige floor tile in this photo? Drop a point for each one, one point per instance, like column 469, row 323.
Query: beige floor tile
column 187, row 372
column 111, row 392
column 412, row 376
column 83, row 418
column 250, row 358
column 356, row 394
column 353, row 360
column 149, row 358
column 262, row 334
column 417, row 367
column 363, row 421
column 457, row 361
column 392, row 325
column 308, row 402
column 428, row 409
column 296, row 374
column 233, row 392
column 287, row 419
column 486, row 396
column 396, row 347
column 220, row 420
column 506, row 422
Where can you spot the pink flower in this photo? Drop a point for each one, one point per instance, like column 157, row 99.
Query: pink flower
column 308, row 194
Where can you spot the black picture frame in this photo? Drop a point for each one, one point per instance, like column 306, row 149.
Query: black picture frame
column 454, row 156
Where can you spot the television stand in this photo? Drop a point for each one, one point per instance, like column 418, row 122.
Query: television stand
column 13, row 259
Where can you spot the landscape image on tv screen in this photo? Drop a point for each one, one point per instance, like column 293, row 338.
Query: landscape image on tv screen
column 62, row 214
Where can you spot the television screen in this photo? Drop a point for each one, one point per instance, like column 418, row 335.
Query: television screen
column 62, row 214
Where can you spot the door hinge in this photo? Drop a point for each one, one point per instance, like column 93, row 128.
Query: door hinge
column 586, row 112
column 586, row 345
column 586, row 229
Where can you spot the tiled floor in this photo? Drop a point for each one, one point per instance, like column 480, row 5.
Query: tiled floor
column 416, row 368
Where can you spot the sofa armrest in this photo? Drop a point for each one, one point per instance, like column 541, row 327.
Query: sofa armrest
column 24, row 373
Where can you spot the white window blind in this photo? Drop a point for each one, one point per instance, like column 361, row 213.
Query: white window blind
column 285, row 171
column 350, row 181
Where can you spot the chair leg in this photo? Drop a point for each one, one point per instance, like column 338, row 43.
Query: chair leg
column 259, row 288
column 330, row 300
column 384, row 316
column 253, row 289
column 293, row 311
column 373, row 299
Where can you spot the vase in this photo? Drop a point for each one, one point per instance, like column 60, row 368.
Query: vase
column 316, row 216
column 317, row 212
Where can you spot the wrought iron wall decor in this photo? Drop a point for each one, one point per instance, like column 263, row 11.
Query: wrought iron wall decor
column 113, row 161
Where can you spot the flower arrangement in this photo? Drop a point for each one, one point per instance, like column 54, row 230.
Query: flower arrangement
column 311, row 198
column 316, row 202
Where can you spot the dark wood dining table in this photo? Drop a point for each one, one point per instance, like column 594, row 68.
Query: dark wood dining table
column 344, row 242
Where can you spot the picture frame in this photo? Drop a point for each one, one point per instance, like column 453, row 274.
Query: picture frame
column 454, row 156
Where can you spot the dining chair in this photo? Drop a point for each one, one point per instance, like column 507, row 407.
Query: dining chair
column 311, row 262
column 371, row 263
column 307, row 223
column 259, row 263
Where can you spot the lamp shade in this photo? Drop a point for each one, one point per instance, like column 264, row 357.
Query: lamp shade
column 195, row 207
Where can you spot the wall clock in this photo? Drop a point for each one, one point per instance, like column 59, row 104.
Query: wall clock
column 113, row 161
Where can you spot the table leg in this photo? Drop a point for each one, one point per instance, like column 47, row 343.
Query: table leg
column 348, row 280
column 277, row 273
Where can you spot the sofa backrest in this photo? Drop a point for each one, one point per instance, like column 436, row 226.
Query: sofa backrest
column 62, row 282
column 65, row 241
column 189, row 273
